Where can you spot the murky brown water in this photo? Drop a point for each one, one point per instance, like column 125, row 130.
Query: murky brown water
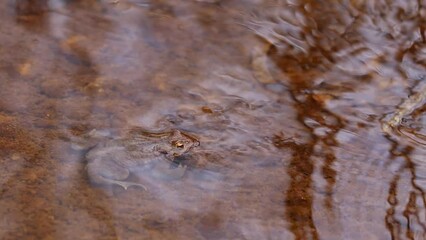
column 310, row 117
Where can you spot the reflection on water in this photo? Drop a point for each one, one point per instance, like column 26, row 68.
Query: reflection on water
column 310, row 118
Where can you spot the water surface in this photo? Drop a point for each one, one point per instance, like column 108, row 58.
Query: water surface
column 289, row 100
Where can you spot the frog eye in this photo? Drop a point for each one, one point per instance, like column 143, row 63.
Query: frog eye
column 178, row 144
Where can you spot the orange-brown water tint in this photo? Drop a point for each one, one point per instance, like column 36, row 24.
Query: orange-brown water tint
column 310, row 117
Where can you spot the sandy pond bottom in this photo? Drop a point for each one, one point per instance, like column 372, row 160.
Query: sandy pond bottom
column 287, row 98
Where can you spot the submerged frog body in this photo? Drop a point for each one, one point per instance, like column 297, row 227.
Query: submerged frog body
column 111, row 162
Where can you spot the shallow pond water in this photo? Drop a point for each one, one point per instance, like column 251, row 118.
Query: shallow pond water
column 310, row 118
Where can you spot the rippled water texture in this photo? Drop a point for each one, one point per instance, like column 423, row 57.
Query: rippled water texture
column 310, row 117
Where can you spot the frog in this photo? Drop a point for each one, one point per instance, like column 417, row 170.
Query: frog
column 111, row 162
column 408, row 106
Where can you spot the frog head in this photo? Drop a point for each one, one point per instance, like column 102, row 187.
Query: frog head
column 177, row 144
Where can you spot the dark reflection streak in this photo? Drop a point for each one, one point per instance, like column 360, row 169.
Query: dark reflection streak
column 302, row 178
column 393, row 226
column 415, row 45
column 297, row 67
column 418, row 189
column 328, row 172
column 302, row 162
column 298, row 198
column 319, row 56
column 411, row 208
column 329, row 175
